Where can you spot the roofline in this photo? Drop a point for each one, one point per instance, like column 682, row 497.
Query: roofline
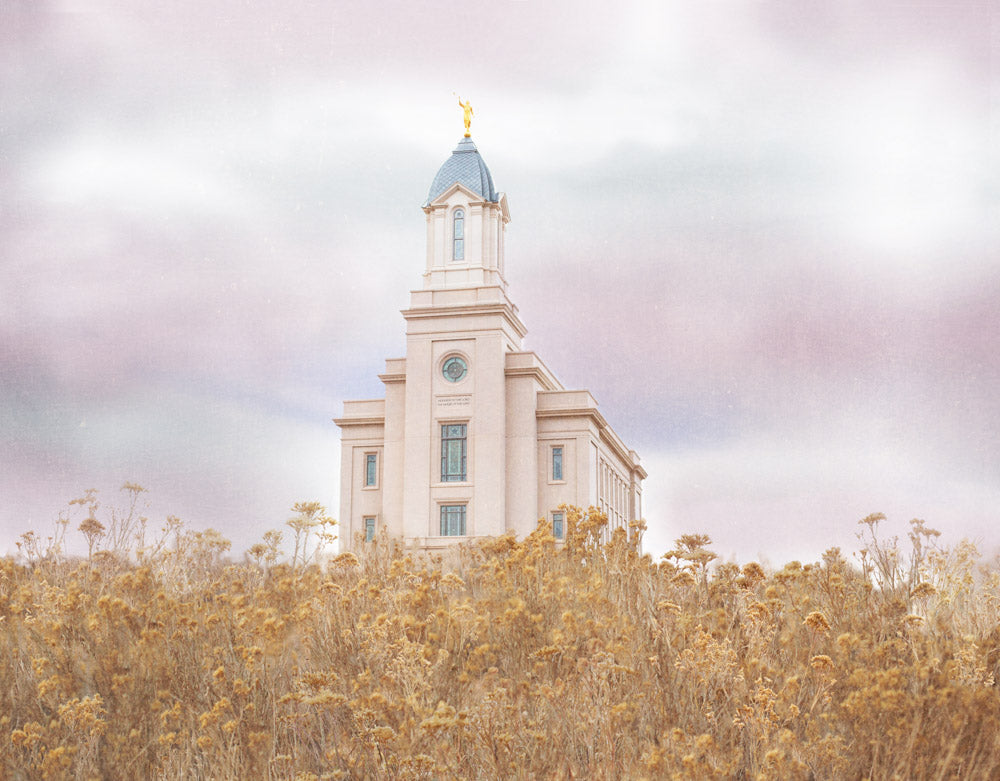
column 607, row 434
column 474, row 197
column 538, row 370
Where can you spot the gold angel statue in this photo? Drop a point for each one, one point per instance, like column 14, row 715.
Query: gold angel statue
column 467, row 108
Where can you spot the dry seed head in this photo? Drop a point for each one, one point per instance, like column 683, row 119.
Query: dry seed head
column 821, row 662
column 923, row 590
column 817, row 622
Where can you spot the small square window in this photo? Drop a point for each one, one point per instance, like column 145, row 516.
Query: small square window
column 369, row 528
column 558, row 530
column 453, row 520
column 371, row 469
column 557, row 463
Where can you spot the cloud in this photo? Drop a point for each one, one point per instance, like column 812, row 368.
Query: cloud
column 782, row 498
column 764, row 235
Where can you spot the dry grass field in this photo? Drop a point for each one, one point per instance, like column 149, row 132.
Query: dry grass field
column 503, row 660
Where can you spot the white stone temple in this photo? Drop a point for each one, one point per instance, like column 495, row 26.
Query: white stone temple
column 475, row 436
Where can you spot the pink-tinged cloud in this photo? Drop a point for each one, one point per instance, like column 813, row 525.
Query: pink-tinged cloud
column 764, row 236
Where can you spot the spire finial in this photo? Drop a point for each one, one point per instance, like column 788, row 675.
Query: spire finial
column 467, row 108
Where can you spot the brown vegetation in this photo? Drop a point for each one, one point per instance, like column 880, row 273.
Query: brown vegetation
column 503, row 659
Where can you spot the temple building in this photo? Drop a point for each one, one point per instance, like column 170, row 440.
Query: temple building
column 475, row 436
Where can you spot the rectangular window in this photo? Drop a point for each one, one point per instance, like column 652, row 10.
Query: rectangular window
column 458, row 235
column 369, row 528
column 557, row 470
column 453, row 453
column 371, row 469
column 452, row 520
column 557, row 526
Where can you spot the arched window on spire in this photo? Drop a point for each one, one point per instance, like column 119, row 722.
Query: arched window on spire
column 458, row 235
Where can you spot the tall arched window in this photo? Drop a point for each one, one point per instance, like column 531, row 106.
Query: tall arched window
column 458, row 236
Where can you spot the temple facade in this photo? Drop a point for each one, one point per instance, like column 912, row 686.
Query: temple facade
column 475, row 436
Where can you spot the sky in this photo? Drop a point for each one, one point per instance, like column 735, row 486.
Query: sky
column 765, row 235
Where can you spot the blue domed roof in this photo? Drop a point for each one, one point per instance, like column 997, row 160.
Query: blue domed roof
column 466, row 167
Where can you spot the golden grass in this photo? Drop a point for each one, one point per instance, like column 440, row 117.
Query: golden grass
column 504, row 659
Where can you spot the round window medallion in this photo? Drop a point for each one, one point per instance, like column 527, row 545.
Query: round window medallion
column 454, row 369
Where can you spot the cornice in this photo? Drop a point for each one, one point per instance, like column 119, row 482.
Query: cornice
column 531, row 371
column 467, row 310
column 457, row 309
column 527, row 363
column 366, row 421
column 574, row 412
